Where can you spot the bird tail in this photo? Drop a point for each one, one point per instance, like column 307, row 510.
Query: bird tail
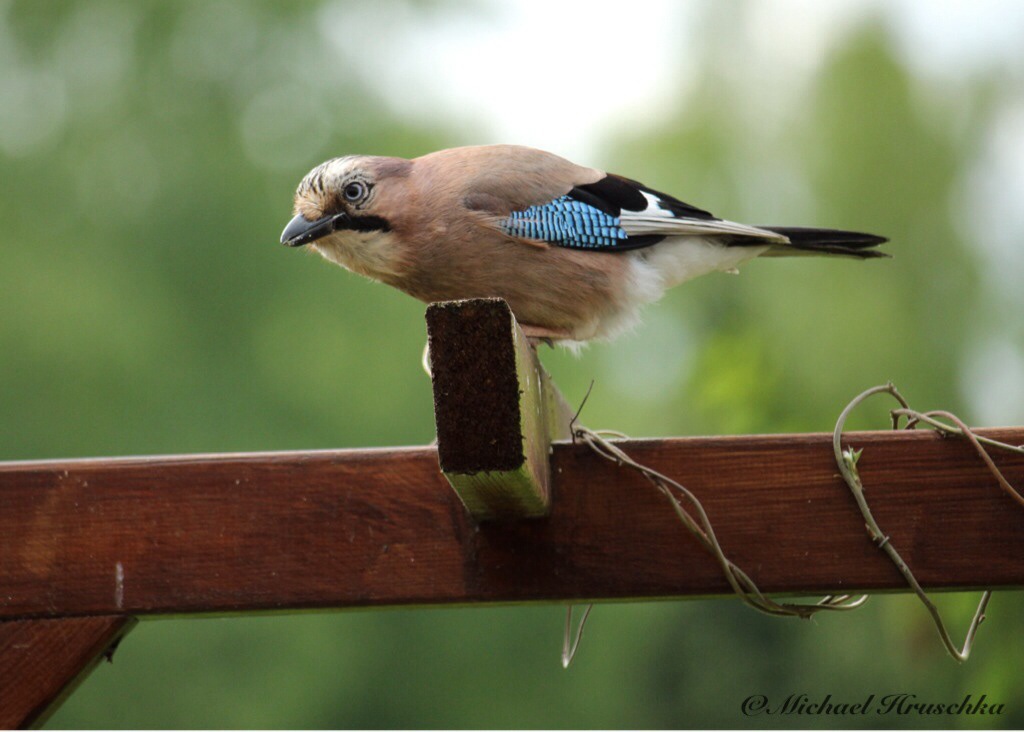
column 809, row 242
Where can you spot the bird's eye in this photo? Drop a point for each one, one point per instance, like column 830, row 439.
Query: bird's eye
column 355, row 191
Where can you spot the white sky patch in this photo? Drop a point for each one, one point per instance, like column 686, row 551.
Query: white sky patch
column 943, row 37
column 562, row 74
column 798, row 33
column 553, row 75
column 993, row 382
column 991, row 216
column 954, row 36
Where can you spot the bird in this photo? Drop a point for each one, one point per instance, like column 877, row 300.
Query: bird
column 575, row 252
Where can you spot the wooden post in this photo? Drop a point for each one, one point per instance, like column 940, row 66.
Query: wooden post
column 496, row 409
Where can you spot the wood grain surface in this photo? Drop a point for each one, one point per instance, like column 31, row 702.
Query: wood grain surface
column 42, row 661
column 352, row 528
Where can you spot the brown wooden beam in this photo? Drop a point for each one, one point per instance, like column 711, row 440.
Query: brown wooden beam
column 333, row 529
column 42, row 661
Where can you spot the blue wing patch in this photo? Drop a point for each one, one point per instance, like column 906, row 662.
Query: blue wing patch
column 566, row 222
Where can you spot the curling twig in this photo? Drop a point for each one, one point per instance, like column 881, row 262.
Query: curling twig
column 569, row 651
column 696, row 521
column 700, row 527
column 847, row 462
column 976, row 441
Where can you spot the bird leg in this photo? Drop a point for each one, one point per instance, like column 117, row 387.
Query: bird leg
column 537, row 334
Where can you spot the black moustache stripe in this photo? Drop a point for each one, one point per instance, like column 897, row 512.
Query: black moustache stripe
column 366, row 223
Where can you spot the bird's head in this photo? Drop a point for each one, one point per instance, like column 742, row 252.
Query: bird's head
column 340, row 195
column 346, row 208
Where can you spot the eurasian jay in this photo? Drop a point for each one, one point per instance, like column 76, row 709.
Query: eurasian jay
column 574, row 251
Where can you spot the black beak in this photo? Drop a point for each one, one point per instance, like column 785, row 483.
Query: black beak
column 301, row 230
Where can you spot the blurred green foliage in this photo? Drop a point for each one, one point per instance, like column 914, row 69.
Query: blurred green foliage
column 149, row 151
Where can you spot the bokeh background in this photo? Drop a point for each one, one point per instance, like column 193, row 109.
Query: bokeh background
column 148, row 152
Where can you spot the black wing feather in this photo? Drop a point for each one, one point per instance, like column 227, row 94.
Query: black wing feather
column 613, row 193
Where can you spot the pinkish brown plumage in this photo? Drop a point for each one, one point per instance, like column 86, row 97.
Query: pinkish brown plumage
column 574, row 251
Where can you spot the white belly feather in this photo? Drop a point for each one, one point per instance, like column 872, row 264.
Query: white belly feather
column 667, row 264
column 680, row 258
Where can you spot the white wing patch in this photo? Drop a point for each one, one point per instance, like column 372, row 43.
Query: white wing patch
column 656, row 220
column 653, row 208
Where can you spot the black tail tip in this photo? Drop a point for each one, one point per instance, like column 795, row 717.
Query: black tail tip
column 811, row 237
column 855, row 244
